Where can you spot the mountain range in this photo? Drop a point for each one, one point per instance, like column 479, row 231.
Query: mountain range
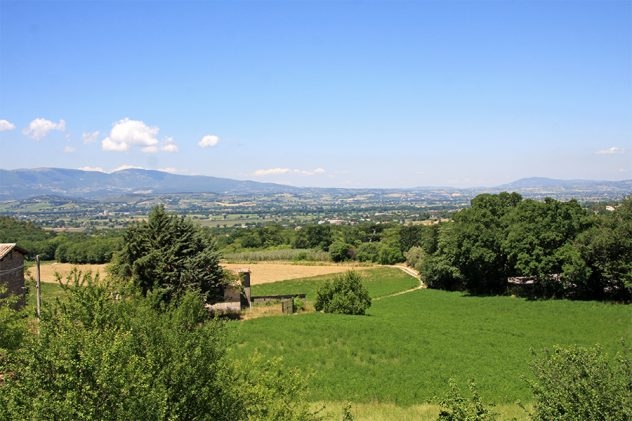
column 26, row 183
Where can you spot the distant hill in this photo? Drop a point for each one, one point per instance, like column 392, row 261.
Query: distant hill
column 27, row 183
column 555, row 185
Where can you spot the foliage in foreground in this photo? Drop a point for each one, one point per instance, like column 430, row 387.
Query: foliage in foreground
column 345, row 294
column 101, row 356
column 577, row 383
column 456, row 407
column 12, row 325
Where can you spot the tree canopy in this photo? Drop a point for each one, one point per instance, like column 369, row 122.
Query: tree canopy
column 168, row 254
column 569, row 252
column 344, row 294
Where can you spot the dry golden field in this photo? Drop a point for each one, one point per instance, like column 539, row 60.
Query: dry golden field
column 261, row 273
column 48, row 270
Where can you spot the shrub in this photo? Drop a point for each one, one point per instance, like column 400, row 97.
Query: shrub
column 345, row 294
column 456, row 407
column 341, row 251
column 577, row 383
column 99, row 355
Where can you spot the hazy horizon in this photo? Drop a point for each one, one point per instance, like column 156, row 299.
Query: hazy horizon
column 321, row 94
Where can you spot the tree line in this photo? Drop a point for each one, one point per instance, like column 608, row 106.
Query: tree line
column 563, row 250
column 65, row 247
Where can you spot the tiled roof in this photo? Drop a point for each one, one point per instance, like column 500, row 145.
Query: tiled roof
column 5, row 248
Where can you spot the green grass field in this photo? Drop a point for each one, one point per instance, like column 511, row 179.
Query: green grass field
column 379, row 281
column 393, row 363
column 406, row 349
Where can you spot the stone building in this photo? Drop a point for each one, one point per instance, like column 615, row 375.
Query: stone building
column 12, row 269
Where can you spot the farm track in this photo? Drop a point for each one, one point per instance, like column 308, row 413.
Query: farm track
column 412, row 272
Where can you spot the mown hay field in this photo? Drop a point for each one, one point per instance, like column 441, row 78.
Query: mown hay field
column 261, row 273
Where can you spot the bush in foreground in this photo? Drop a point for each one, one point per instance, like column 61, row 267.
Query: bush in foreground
column 577, row 383
column 102, row 356
column 345, row 294
column 456, row 407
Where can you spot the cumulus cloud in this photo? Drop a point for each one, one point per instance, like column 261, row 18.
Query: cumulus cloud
column 98, row 169
column 69, row 149
column 6, row 125
column 40, row 127
column 208, row 141
column 90, row 137
column 126, row 133
column 611, row 151
column 280, row 171
column 169, row 146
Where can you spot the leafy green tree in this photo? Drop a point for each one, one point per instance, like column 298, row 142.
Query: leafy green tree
column 28, row 235
column 537, row 232
column 415, row 258
column 577, row 383
column 341, row 251
column 168, row 254
column 469, row 250
column 601, row 266
column 368, row 252
column 12, row 326
column 410, row 236
column 103, row 355
column 389, row 254
column 317, row 236
column 344, row 294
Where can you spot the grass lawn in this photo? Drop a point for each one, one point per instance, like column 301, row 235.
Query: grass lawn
column 406, row 349
column 379, row 281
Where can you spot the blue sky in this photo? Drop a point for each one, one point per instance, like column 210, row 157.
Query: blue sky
column 321, row 93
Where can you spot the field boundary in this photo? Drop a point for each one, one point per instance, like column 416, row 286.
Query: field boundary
column 412, row 272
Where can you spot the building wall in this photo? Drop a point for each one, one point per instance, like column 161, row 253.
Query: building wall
column 12, row 272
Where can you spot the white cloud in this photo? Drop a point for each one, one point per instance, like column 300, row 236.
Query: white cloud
column 126, row 133
column 279, row 171
column 6, row 125
column 272, row 171
column 90, row 137
column 169, row 170
column 40, row 127
column 169, row 146
column 69, row 149
column 150, row 149
column 99, row 169
column 316, row 171
column 611, row 151
column 208, row 141
column 127, row 167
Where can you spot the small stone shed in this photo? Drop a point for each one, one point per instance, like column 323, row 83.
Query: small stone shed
column 12, row 269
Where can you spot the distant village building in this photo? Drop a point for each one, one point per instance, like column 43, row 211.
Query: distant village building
column 12, row 269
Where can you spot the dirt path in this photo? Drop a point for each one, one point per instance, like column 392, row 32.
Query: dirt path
column 412, row 272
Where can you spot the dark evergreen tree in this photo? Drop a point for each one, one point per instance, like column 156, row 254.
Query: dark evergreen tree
column 168, row 254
